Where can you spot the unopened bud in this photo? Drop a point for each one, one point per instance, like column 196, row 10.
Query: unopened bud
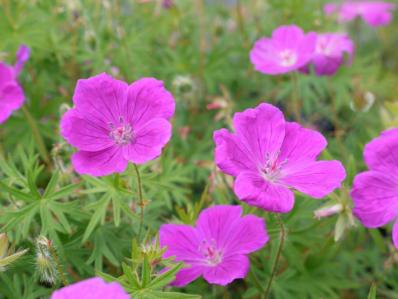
column 7, row 257
column 328, row 211
column 45, row 263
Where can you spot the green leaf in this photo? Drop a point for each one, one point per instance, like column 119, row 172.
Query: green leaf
column 373, row 290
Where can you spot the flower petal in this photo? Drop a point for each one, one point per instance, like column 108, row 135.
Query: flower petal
column 83, row 133
column 301, row 143
column 6, row 75
column 261, row 130
column 288, row 37
column 251, row 188
column 147, row 99
column 187, row 275
column 23, row 54
column 100, row 163
column 100, row 99
column 93, row 288
column 231, row 156
column 246, row 235
column 314, row 178
column 182, row 241
column 375, row 198
column 395, row 234
column 11, row 98
column 231, row 268
column 148, row 141
column 216, row 221
column 382, row 152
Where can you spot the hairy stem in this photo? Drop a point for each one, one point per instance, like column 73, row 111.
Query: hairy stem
column 296, row 96
column 59, row 267
column 278, row 255
column 37, row 136
column 142, row 204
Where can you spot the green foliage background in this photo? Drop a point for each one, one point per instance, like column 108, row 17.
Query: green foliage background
column 91, row 221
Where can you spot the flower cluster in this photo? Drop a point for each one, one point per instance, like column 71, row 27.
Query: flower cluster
column 374, row 13
column 290, row 49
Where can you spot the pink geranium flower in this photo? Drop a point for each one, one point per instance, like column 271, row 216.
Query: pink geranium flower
column 11, row 93
column 113, row 123
column 287, row 50
column 374, row 13
column 93, row 288
column 269, row 157
column 375, row 192
column 217, row 247
column 329, row 52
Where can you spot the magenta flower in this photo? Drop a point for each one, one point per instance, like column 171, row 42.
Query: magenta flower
column 269, row 156
column 93, row 288
column 375, row 192
column 113, row 123
column 11, row 93
column 288, row 50
column 217, row 247
column 374, row 13
column 329, row 53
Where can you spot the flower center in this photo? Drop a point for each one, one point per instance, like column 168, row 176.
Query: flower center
column 121, row 134
column 272, row 168
column 210, row 252
column 288, row 58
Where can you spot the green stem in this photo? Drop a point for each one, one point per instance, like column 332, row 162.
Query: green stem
column 37, row 136
column 59, row 268
column 296, row 97
column 142, row 204
column 278, row 255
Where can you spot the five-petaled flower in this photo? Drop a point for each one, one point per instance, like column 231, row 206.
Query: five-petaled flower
column 217, row 247
column 113, row 123
column 374, row 13
column 11, row 93
column 329, row 53
column 288, row 50
column 269, row 156
column 375, row 192
column 92, row 288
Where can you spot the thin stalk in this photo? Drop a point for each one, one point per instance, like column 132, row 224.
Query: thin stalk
column 278, row 255
column 296, row 97
column 142, row 204
column 241, row 23
column 37, row 136
column 59, row 267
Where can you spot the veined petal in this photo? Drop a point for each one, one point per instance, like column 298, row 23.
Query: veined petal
column 382, row 152
column 253, row 189
column 148, row 141
column 231, row 268
column 147, row 99
column 301, row 143
column 246, row 235
column 395, row 234
column 314, row 178
column 231, row 156
column 182, row 241
column 187, row 275
column 100, row 99
column 83, row 133
column 215, row 222
column 375, row 197
column 99, row 163
column 261, row 130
